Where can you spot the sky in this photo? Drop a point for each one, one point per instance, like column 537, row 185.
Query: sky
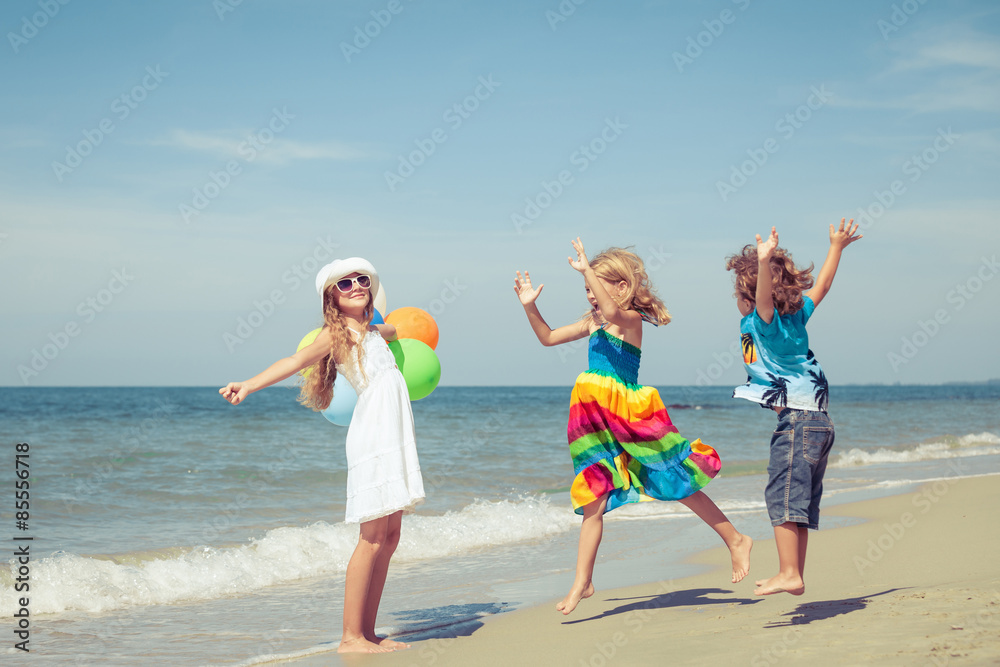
column 174, row 174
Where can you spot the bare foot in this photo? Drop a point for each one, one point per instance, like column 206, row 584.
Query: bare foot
column 740, row 554
column 573, row 598
column 780, row 584
column 360, row 645
column 390, row 643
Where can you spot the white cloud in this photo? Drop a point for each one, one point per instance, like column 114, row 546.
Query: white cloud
column 958, row 230
column 962, row 47
column 276, row 151
column 981, row 141
column 946, row 68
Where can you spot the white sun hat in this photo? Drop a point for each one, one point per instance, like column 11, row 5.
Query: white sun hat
column 339, row 268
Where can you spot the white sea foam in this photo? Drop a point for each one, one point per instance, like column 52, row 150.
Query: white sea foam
column 64, row 582
column 980, row 444
column 979, row 439
column 670, row 510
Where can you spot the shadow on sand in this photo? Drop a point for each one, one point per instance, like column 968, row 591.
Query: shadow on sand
column 820, row 611
column 694, row 597
column 447, row 622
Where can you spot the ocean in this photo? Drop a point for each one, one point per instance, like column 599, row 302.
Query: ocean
column 169, row 527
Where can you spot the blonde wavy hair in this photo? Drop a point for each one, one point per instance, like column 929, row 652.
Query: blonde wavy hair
column 317, row 387
column 618, row 264
column 787, row 281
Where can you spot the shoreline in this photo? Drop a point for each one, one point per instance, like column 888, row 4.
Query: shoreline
column 914, row 583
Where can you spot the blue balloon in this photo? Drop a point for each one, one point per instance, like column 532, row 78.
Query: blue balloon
column 377, row 318
column 342, row 406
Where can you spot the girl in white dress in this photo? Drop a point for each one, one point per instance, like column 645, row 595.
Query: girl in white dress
column 383, row 478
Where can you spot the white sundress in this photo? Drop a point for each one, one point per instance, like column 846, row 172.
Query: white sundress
column 383, row 473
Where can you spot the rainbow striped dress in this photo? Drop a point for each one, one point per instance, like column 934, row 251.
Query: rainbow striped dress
column 621, row 438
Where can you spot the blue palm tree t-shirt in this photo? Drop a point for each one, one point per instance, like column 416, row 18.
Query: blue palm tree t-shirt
column 781, row 369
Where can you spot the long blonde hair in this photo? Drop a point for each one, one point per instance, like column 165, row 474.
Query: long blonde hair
column 787, row 281
column 618, row 264
column 317, row 388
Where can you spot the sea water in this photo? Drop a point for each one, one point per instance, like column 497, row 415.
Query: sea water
column 171, row 527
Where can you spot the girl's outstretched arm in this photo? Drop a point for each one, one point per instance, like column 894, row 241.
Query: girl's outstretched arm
column 388, row 332
column 624, row 319
column 235, row 392
column 546, row 335
column 764, row 300
column 839, row 239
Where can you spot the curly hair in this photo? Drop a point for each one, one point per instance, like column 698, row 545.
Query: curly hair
column 787, row 281
column 317, row 387
column 618, row 264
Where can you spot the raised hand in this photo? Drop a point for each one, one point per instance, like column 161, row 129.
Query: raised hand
column 765, row 249
column 581, row 263
column 844, row 237
column 525, row 292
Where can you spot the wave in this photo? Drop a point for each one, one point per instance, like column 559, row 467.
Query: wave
column 973, row 444
column 673, row 510
column 70, row 582
column 979, row 444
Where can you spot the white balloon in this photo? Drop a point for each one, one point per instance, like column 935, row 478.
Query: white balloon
column 380, row 299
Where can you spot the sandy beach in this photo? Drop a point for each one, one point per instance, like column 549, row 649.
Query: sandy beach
column 915, row 583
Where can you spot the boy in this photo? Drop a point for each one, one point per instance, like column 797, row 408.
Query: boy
column 784, row 375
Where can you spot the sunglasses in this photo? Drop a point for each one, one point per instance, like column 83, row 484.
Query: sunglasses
column 345, row 285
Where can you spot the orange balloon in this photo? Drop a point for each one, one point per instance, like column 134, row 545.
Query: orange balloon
column 414, row 323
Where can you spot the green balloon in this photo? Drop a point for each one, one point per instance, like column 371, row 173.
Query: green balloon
column 419, row 365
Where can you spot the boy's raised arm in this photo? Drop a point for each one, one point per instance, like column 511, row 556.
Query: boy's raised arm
column 763, row 298
column 840, row 238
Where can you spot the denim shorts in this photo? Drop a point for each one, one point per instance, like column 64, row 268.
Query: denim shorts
column 800, row 447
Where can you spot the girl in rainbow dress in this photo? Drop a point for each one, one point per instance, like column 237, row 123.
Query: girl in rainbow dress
column 624, row 447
